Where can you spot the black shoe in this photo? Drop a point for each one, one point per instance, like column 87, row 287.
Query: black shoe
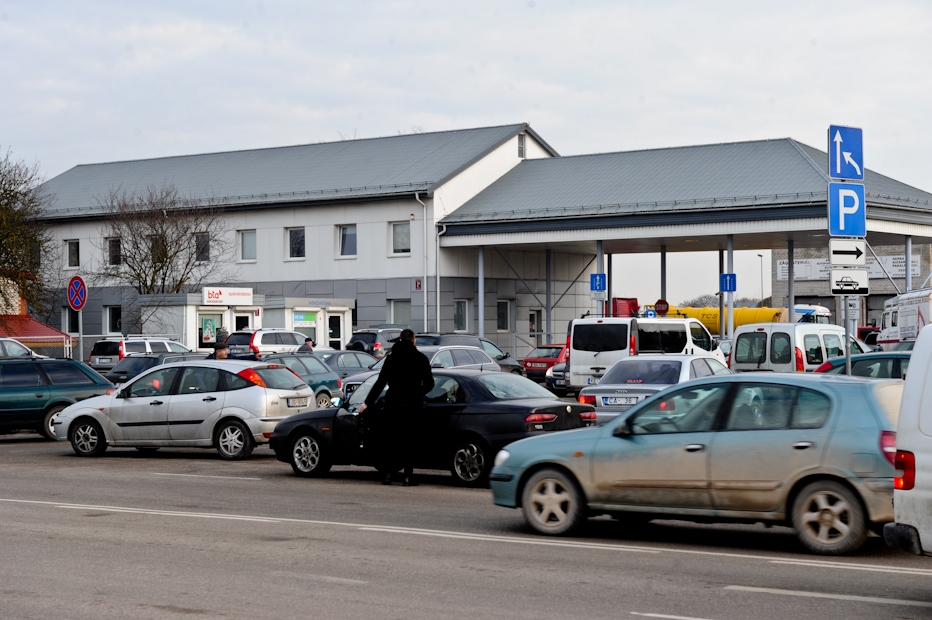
column 387, row 479
column 409, row 481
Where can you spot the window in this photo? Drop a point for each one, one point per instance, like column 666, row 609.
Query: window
column 134, row 347
column 688, row 410
column 461, row 357
column 444, row 359
column 459, row 315
column 833, row 346
column 15, row 349
column 159, row 248
column 446, row 390
column 114, row 319
column 156, row 383
column 698, row 369
column 401, row 312
column 401, row 238
column 600, row 337
column 635, row 371
column 74, row 253
column 760, row 406
column 196, row 380
column 71, row 321
column 658, row 337
column 157, row 346
column 296, row 242
column 813, row 348
column 348, row 361
column 873, row 368
column 503, row 319
column 701, row 337
column 812, row 410
column 202, row 247
column 780, row 350
column 114, row 252
column 751, row 348
column 19, row 376
column 522, row 150
column 348, row 240
column 247, row 245
column 494, row 352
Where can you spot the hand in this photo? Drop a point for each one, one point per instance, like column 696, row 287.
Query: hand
column 362, row 408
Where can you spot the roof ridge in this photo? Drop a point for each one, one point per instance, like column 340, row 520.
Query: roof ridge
column 796, row 145
column 664, row 148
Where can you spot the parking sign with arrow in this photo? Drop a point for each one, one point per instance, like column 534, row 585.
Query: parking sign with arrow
column 847, row 252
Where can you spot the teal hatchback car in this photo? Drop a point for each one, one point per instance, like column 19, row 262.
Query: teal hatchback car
column 34, row 391
column 814, row 452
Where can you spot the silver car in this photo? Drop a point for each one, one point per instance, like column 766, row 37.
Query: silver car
column 229, row 405
column 633, row 379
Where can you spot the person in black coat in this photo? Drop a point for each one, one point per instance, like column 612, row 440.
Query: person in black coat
column 222, row 352
column 407, row 373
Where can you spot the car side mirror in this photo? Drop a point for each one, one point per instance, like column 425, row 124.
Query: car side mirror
column 436, row 365
column 123, row 393
column 506, row 355
column 623, row 430
column 714, row 346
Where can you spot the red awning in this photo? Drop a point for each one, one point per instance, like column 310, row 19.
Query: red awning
column 22, row 327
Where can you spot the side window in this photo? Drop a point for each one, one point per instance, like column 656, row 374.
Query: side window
column 66, row 374
column 751, row 348
column 833, row 346
column 904, row 364
column 134, row 347
column 761, row 406
column 316, row 366
column 718, row 368
column 295, row 365
column 174, row 347
column 348, row 361
column 197, row 380
column 813, row 348
column 270, row 338
column 15, row 349
column 19, row 376
column 700, row 336
column 234, row 382
column 688, row 410
column 461, row 357
column 812, row 410
column 781, row 350
column 157, row 346
column 446, row 390
column 444, row 358
column 293, row 338
column 478, row 357
column 493, row 351
column 699, row 369
column 875, row 369
column 157, row 383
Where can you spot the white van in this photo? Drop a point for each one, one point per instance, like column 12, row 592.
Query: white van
column 596, row 344
column 912, row 488
column 788, row 347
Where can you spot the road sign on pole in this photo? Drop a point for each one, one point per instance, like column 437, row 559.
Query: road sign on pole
column 851, row 281
column 845, row 153
column 77, row 293
column 847, row 211
column 662, row 307
column 597, row 282
column 728, row 283
column 847, row 252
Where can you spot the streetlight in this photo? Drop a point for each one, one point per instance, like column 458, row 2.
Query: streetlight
column 761, row 257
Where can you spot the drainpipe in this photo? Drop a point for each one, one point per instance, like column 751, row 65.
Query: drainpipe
column 441, row 229
column 424, row 204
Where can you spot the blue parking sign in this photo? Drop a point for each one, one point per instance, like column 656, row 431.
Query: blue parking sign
column 597, row 282
column 847, row 211
column 845, row 153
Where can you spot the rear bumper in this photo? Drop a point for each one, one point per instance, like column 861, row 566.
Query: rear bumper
column 903, row 537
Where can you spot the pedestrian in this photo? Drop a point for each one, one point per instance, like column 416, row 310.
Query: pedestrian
column 222, row 334
column 307, row 347
column 222, row 352
column 407, row 374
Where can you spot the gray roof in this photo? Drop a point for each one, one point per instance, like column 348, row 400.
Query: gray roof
column 762, row 173
column 329, row 171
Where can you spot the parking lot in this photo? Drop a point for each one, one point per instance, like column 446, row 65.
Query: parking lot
column 182, row 533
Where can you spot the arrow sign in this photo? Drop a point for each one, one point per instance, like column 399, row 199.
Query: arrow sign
column 845, row 153
column 847, row 252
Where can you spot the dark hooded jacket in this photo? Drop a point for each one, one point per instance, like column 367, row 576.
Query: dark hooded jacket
column 407, row 373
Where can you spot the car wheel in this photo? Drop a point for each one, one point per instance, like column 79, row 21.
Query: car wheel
column 87, row 438
column 829, row 518
column 471, row 462
column 308, row 458
column 323, row 400
column 47, row 430
column 552, row 503
column 233, row 440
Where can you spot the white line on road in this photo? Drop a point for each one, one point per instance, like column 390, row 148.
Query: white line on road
column 325, row 578
column 508, row 539
column 155, row 473
column 634, row 613
column 837, row 597
column 849, row 566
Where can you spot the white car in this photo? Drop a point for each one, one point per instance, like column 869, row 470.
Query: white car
column 229, row 405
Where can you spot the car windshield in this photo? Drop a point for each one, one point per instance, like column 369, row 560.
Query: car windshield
column 904, row 346
column 641, row 372
column 134, row 365
column 280, row 378
column 507, row 386
column 240, row 339
column 545, row 352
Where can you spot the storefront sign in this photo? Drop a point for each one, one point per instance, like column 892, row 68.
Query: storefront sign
column 225, row 296
column 305, row 319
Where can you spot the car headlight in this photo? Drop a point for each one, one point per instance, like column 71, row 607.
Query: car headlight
column 501, row 457
column 549, row 372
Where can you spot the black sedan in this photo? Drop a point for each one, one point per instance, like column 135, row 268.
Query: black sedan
column 468, row 417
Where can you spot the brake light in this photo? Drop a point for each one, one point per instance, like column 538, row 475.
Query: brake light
column 799, row 360
column 587, row 415
column 729, row 359
column 376, row 345
column 122, row 350
column 824, row 367
column 586, row 399
column 905, row 462
column 888, row 445
column 541, row 417
column 668, row 405
column 339, row 384
column 252, row 344
column 252, row 376
column 632, row 346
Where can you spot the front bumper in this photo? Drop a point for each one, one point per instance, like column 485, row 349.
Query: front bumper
column 903, row 537
column 504, row 483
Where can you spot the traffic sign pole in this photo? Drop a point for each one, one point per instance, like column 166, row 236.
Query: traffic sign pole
column 80, row 335
column 844, row 304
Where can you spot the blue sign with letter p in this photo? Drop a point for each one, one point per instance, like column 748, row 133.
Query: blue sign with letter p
column 847, row 211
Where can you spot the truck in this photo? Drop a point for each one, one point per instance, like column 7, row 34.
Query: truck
column 709, row 316
column 903, row 317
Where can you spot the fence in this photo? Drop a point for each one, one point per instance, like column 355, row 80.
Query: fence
column 50, row 346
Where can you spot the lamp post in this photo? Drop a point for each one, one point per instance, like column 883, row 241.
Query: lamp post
column 761, row 257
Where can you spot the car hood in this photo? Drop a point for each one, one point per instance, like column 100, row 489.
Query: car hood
column 313, row 414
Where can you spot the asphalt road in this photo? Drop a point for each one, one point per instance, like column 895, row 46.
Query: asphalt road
column 183, row 534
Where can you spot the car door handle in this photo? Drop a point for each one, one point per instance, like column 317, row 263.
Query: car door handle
column 802, row 445
column 695, row 447
column 39, row 395
column 156, row 402
column 209, row 399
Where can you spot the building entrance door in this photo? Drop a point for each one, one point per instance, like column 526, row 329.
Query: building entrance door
column 335, row 331
column 242, row 321
column 534, row 327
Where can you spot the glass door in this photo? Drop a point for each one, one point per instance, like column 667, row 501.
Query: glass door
column 335, row 331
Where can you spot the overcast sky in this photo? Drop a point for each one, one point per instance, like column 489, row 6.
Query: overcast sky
column 84, row 82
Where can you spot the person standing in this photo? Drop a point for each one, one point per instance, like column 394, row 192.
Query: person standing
column 407, row 373
column 307, row 347
column 222, row 352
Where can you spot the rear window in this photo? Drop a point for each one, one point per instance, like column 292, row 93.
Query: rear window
column 751, row 348
column 240, row 339
column 368, row 338
column 66, row 374
column 280, row 378
column 661, row 338
column 134, row 365
column 508, row 386
column 643, row 373
column 545, row 352
column 600, row 337
column 428, row 341
column 888, row 397
column 107, row 347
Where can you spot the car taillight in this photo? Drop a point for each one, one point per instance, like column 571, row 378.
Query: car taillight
column 729, row 360
column 339, row 383
column 541, row 417
column 122, row 350
column 668, row 405
column 632, row 346
column 252, row 344
column 905, row 462
column 586, row 399
column 888, row 445
column 376, row 346
column 824, row 367
column 252, row 376
column 799, row 360
column 587, row 415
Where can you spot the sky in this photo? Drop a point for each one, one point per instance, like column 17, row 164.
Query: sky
column 95, row 81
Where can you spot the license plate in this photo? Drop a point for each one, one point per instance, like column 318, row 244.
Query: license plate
column 297, row 402
column 238, row 350
column 620, row 400
column 103, row 360
column 535, row 365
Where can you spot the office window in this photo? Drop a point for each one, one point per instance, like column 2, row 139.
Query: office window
column 202, row 247
column 71, row 321
column 522, row 152
column 74, row 253
column 401, row 312
column 401, row 238
column 159, row 249
column 296, row 243
column 114, row 252
column 114, row 319
column 504, row 316
column 459, row 315
column 247, row 245
column 348, row 240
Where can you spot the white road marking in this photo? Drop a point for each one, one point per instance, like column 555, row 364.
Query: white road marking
column 508, row 539
column 836, row 597
column 634, row 613
column 168, row 513
column 155, row 473
column 325, row 578
column 850, row 566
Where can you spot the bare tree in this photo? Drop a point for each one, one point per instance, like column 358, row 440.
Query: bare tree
column 159, row 243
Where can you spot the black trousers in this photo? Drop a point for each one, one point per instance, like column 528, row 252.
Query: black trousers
column 401, row 437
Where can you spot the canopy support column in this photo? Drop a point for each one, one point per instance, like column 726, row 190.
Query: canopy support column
column 481, row 312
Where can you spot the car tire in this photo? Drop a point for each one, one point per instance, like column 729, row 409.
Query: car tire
column 308, row 456
column 829, row 518
column 552, row 503
column 471, row 462
column 87, row 437
column 233, row 440
column 47, row 430
column 323, row 401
